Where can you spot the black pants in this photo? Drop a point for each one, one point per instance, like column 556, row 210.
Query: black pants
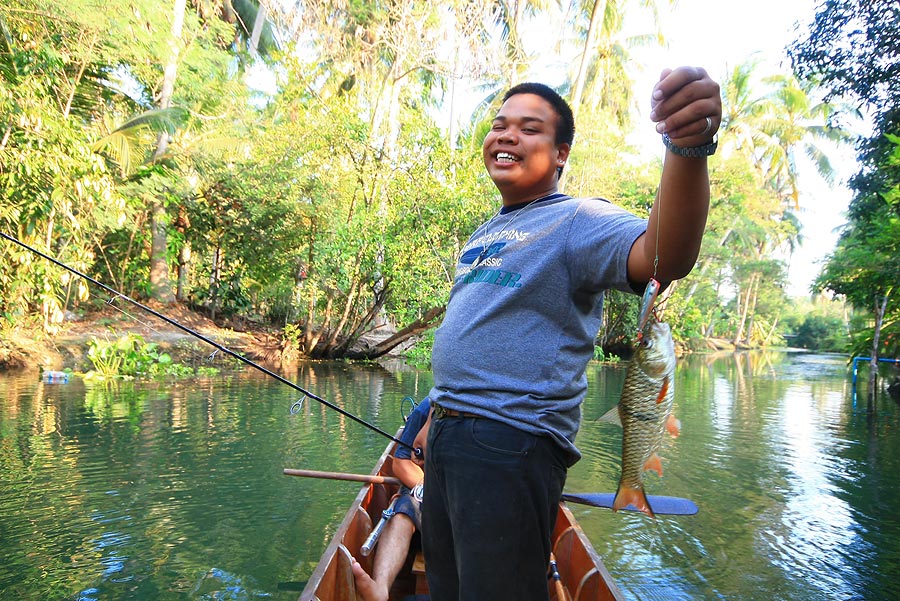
column 491, row 496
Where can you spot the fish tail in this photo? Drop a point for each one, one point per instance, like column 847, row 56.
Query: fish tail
column 636, row 497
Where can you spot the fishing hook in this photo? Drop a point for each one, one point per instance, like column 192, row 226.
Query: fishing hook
column 216, row 345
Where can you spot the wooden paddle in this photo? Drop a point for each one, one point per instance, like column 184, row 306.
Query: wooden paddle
column 661, row 505
column 342, row 476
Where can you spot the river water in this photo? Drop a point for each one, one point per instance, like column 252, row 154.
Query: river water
column 174, row 490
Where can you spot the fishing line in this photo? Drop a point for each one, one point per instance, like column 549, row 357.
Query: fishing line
column 116, row 294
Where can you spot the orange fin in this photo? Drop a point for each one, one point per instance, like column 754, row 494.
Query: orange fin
column 663, row 391
column 654, row 463
column 636, row 497
column 673, row 426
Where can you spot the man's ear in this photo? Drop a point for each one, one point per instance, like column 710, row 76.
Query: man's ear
column 563, row 150
column 562, row 157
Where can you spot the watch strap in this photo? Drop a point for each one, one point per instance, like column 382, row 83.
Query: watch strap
column 693, row 152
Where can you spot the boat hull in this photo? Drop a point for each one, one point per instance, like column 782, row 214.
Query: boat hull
column 582, row 575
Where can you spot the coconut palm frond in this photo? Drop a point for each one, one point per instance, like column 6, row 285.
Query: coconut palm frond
column 130, row 143
column 158, row 120
column 120, row 147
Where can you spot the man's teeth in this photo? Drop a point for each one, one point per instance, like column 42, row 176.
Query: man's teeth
column 505, row 156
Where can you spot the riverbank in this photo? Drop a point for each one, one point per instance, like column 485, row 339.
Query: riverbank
column 30, row 348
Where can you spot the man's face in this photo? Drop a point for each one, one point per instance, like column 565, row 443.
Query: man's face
column 520, row 152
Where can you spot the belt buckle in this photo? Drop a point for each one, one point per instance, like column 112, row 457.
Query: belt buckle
column 439, row 412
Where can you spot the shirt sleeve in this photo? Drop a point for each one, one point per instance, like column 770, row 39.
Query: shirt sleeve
column 414, row 423
column 599, row 242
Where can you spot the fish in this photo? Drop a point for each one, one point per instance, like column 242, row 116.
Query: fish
column 645, row 413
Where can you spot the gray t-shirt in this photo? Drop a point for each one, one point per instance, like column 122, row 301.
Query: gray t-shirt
column 525, row 309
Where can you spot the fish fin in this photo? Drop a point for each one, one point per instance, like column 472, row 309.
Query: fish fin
column 673, row 426
column 654, row 463
column 611, row 417
column 636, row 497
column 663, row 391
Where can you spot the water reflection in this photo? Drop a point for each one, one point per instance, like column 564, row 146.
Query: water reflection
column 173, row 490
column 783, row 470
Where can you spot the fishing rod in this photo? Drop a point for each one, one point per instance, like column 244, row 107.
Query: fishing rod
column 224, row 349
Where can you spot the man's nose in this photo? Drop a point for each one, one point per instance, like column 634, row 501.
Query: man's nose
column 507, row 135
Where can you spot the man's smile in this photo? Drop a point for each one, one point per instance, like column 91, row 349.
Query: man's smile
column 506, row 157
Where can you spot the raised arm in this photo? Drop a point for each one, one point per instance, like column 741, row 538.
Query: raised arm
column 687, row 108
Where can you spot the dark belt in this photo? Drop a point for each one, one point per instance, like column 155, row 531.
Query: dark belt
column 442, row 412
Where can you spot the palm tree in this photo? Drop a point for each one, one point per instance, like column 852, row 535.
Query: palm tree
column 797, row 122
column 230, row 11
column 602, row 68
column 770, row 128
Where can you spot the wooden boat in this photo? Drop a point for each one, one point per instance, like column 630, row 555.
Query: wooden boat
column 582, row 574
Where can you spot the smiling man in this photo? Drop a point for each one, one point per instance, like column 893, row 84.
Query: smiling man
column 509, row 358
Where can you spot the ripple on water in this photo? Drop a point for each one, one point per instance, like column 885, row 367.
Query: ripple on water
column 174, row 491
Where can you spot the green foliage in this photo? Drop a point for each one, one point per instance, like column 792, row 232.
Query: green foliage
column 131, row 356
column 865, row 265
column 338, row 201
column 600, row 355
column 420, row 353
column 852, row 49
column 822, row 333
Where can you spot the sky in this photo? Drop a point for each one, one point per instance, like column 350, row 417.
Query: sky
column 720, row 34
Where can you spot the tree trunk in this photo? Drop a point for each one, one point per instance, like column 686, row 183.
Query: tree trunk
column 257, row 29
column 751, row 310
column 743, row 309
column 214, row 276
column 349, row 301
column 315, row 334
column 160, row 286
column 184, row 261
column 767, row 336
column 597, row 12
column 414, row 329
column 184, row 255
column 873, row 361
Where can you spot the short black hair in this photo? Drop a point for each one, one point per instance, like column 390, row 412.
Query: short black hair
column 565, row 129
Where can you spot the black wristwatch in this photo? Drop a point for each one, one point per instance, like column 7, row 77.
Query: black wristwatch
column 692, row 152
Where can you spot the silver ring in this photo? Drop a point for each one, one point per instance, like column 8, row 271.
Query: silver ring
column 707, row 128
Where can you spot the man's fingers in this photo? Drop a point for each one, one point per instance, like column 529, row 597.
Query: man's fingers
column 686, row 104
